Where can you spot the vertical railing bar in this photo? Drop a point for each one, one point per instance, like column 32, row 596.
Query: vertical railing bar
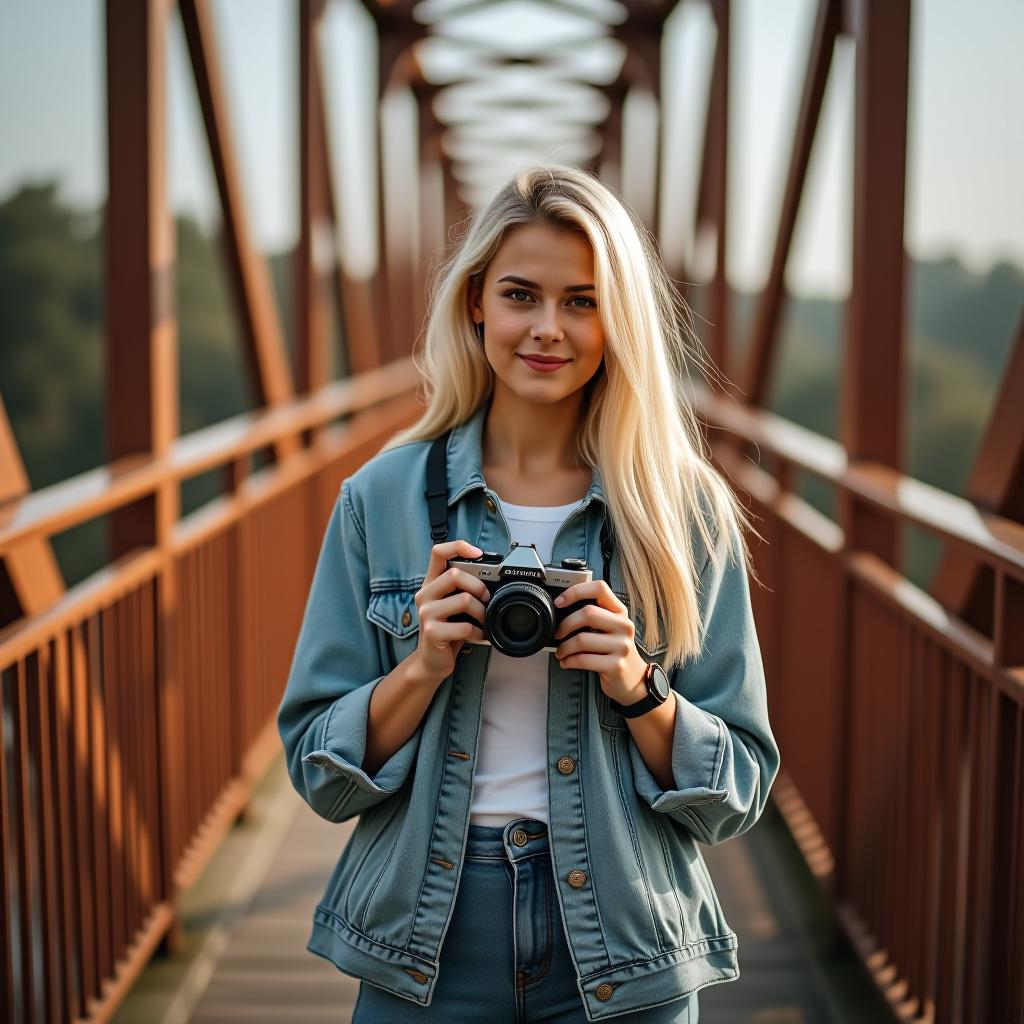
column 7, row 854
column 26, row 835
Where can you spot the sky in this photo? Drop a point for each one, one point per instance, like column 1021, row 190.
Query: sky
column 965, row 146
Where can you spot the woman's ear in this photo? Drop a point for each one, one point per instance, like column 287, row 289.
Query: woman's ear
column 473, row 295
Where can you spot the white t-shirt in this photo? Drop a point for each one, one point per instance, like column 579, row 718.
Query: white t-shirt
column 511, row 767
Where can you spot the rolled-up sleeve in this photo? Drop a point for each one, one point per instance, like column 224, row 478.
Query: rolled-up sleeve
column 724, row 756
column 322, row 718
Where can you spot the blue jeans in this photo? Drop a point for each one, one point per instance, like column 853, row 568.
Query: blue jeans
column 504, row 959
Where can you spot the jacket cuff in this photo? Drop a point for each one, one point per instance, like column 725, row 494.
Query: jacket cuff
column 698, row 746
column 343, row 747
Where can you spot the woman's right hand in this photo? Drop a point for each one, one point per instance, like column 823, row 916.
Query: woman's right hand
column 446, row 592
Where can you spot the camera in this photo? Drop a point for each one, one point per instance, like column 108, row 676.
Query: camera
column 521, row 617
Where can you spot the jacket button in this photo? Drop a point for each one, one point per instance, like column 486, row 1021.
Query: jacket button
column 519, row 837
column 576, row 878
column 406, row 618
column 566, row 765
column 604, row 992
column 491, row 507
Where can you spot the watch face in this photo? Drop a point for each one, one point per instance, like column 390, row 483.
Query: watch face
column 659, row 682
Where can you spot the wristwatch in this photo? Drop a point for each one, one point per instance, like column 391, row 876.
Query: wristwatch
column 657, row 685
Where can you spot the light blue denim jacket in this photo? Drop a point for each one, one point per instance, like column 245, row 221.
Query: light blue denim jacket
column 647, row 920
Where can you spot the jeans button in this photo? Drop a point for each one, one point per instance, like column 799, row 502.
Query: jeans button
column 519, row 837
column 566, row 765
column 576, row 878
column 491, row 507
column 604, row 992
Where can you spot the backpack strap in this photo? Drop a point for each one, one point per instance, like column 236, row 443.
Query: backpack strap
column 437, row 487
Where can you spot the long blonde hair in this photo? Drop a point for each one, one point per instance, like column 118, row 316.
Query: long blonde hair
column 636, row 427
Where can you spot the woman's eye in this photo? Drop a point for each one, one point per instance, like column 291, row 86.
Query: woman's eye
column 590, row 304
column 516, row 291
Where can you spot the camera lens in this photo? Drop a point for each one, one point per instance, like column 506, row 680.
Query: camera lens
column 520, row 622
column 520, row 619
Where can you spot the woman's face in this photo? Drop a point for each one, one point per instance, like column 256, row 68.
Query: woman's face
column 538, row 298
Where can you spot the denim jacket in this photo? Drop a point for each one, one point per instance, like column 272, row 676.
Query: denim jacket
column 645, row 926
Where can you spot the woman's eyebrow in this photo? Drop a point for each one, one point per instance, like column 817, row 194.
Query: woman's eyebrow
column 533, row 284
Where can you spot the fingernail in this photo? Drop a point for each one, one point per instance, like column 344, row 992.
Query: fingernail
column 559, row 601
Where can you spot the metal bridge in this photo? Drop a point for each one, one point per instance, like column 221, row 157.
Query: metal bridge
column 139, row 747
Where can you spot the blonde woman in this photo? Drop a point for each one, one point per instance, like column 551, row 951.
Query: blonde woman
column 528, row 661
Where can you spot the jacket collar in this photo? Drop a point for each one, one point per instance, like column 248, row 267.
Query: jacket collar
column 465, row 448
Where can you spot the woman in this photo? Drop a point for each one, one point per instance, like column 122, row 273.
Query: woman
column 526, row 848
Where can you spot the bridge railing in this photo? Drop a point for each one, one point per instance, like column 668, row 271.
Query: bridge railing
column 139, row 708
column 901, row 724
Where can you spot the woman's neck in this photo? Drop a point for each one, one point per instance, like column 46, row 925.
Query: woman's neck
column 529, row 453
column 527, row 440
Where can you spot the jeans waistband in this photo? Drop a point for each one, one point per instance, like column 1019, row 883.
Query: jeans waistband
column 519, row 838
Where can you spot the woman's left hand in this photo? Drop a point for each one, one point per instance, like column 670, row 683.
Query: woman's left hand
column 611, row 651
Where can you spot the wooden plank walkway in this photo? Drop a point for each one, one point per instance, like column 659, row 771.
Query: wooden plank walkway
column 260, row 971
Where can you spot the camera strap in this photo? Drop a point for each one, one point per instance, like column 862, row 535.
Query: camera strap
column 437, row 487
column 437, row 502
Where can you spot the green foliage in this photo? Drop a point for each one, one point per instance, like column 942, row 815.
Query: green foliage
column 52, row 373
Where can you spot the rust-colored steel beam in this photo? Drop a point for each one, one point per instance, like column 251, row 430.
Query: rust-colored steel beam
column 397, row 69
column 266, row 358
column 30, row 579
column 142, row 349
column 996, row 483
column 871, row 417
column 396, row 33
column 764, row 339
column 610, row 154
column 432, row 228
column 355, row 297
column 716, row 183
column 642, row 70
column 317, row 253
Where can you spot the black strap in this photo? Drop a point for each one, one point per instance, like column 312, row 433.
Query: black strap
column 437, row 487
column 437, row 502
column 607, row 547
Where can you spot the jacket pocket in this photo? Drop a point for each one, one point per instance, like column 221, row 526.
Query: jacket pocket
column 392, row 607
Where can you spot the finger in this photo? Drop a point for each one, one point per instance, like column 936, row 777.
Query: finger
column 448, row 632
column 441, row 553
column 594, row 590
column 445, row 608
column 589, row 643
column 453, row 579
column 600, row 663
column 595, row 617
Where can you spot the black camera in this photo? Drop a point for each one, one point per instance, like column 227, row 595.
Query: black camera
column 521, row 617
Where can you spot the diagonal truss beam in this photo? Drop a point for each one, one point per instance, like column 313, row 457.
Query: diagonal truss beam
column 267, row 359
column 764, row 339
column 996, row 483
column 30, row 579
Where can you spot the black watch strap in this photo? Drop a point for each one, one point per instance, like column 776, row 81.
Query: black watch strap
column 645, row 704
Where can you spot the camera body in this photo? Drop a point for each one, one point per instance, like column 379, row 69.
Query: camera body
column 521, row 617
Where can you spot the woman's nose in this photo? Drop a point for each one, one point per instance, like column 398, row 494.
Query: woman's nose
column 547, row 327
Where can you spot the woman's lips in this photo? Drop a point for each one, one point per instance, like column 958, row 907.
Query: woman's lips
column 542, row 367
